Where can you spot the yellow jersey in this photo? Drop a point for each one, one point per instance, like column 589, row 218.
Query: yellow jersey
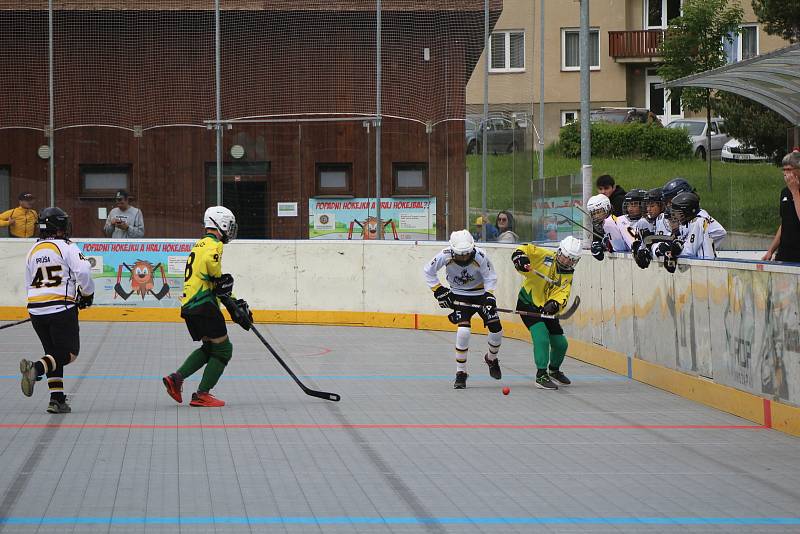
column 536, row 290
column 203, row 265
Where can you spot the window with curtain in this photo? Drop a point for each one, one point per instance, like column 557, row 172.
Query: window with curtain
column 571, row 51
column 507, row 52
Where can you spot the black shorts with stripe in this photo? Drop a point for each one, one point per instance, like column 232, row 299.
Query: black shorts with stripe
column 59, row 332
column 208, row 322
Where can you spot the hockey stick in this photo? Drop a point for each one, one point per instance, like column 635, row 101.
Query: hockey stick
column 569, row 312
column 320, row 394
column 579, row 224
column 9, row 325
column 649, row 240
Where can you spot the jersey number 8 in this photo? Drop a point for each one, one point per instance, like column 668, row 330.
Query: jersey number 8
column 188, row 272
column 47, row 273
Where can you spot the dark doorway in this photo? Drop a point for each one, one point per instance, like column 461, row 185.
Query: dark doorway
column 248, row 201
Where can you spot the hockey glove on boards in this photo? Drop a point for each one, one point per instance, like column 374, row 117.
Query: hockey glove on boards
column 641, row 254
column 521, row 261
column 597, row 250
column 239, row 311
column 84, row 301
column 223, row 286
column 550, row 307
column 444, row 296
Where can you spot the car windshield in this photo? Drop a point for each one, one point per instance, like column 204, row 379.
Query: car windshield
column 608, row 116
column 694, row 128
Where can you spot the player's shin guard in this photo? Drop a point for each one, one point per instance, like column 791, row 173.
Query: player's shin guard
column 558, row 349
column 495, row 339
column 541, row 345
column 219, row 356
column 462, row 347
column 55, row 381
column 197, row 359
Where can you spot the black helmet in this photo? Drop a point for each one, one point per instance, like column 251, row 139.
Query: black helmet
column 685, row 207
column 655, row 195
column 52, row 221
column 634, row 197
column 675, row 186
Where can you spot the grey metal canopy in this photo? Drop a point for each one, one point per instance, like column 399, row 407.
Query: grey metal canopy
column 771, row 79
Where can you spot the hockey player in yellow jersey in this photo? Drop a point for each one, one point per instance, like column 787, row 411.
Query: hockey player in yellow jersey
column 546, row 286
column 59, row 281
column 204, row 287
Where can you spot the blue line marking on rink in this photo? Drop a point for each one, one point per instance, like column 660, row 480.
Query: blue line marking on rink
column 347, row 520
column 584, row 378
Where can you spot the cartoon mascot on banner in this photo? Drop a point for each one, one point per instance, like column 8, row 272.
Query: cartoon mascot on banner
column 142, row 280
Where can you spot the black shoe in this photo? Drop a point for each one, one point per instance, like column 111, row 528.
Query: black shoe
column 494, row 367
column 560, row 377
column 56, row 406
column 461, row 380
column 544, row 382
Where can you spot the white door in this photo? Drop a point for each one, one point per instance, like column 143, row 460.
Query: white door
column 657, row 99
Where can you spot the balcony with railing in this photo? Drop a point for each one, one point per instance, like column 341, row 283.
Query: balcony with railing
column 635, row 46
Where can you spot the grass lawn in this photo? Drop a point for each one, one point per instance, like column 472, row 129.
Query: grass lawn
column 744, row 196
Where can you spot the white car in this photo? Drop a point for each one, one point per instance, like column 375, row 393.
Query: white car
column 696, row 128
column 735, row 152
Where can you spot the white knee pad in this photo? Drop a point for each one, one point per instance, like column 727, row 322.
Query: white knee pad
column 462, row 338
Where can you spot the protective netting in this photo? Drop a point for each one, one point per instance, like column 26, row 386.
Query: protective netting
column 152, row 62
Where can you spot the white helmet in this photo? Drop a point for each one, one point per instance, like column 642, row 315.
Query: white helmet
column 461, row 243
column 569, row 252
column 222, row 219
column 599, row 207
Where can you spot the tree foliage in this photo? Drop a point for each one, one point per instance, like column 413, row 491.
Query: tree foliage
column 779, row 17
column 694, row 42
column 753, row 124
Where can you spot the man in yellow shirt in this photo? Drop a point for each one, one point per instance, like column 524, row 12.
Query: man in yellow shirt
column 22, row 220
column 546, row 285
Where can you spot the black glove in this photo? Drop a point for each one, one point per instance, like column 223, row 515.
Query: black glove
column 662, row 249
column 670, row 264
column 223, row 286
column 550, row 307
column 444, row 296
column 675, row 248
column 522, row 262
column 489, row 304
column 597, row 250
column 642, row 256
column 240, row 312
column 84, row 301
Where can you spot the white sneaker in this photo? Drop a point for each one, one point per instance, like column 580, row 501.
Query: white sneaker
column 28, row 370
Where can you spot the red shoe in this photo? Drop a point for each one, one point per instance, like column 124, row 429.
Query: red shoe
column 205, row 399
column 174, row 385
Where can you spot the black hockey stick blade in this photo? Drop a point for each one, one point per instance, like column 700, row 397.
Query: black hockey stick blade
column 308, row 391
column 649, row 240
column 569, row 312
column 9, row 325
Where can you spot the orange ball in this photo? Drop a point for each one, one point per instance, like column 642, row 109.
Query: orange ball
column 506, row 390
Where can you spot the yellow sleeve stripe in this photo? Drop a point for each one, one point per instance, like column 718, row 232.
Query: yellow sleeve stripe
column 46, row 245
column 55, row 297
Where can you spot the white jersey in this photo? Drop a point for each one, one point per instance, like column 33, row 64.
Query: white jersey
column 618, row 229
column 697, row 242
column 644, row 225
column 715, row 229
column 474, row 278
column 662, row 226
column 55, row 270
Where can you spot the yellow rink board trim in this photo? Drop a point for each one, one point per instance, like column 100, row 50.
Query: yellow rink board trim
column 777, row 415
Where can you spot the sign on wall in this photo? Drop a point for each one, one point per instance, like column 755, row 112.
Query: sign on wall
column 355, row 218
column 137, row 273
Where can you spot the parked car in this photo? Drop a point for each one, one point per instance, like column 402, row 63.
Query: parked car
column 503, row 135
column 696, row 128
column 735, row 152
column 624, row 115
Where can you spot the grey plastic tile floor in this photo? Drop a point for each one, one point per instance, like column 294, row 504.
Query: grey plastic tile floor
column 402, row 451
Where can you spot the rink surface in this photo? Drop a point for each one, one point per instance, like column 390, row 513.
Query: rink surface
column 402, row 451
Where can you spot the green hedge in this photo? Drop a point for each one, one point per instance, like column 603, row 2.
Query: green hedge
column 637, row 140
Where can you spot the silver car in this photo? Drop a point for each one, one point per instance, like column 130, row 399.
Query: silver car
column 696, row 128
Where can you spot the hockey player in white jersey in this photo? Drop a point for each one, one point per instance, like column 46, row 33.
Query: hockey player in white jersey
column 695, row 236
column 472, row 280
column 634, row 207
column 678, row 185
column 607, row 236
column 59, row 281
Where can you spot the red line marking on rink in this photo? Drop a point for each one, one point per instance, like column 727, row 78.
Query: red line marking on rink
column 369, row 426
column 767, row 413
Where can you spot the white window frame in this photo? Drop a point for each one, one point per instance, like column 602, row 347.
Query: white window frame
column 507, row 49
column 664, row 22
column 592, row 30
column 564, row 116
column 740, row 40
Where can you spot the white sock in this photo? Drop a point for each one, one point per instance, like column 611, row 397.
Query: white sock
column 462, row 347
column 495, row 340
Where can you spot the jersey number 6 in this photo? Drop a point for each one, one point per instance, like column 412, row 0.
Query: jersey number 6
column 49, row 274
column 188, row 273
